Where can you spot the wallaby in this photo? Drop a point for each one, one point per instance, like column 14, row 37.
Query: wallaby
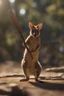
column 32, row 66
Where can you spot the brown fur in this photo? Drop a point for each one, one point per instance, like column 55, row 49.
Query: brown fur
column 32, row 66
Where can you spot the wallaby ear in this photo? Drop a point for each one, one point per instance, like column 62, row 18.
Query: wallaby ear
column 31, row 25
column 40, row 26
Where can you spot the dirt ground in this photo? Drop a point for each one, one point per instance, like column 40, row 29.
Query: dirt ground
column 12, row 84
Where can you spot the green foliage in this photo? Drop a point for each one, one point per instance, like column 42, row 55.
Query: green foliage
column 48, row 12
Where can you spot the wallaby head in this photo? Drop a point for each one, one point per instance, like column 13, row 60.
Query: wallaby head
column 35, row 29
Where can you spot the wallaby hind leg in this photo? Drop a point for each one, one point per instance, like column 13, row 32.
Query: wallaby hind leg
column 38, row 70
column 25, row 71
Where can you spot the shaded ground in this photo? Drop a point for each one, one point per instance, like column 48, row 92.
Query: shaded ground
column 51, row 83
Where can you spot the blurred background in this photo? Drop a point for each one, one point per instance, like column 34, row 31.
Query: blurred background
column 48, row 12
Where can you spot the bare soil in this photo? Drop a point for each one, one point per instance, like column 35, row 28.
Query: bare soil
column 12, row 84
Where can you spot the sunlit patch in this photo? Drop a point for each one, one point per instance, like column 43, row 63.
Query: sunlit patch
column 22, row 11
column 34, row 4
column 11, row 1
column 0, row 2
column 61, row 49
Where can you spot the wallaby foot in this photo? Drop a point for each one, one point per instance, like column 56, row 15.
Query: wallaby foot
column 26, row 79
column 36, row 79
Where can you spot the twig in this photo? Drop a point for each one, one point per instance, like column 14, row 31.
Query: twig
column 19, row 29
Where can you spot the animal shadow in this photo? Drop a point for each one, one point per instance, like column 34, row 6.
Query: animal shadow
column 48, row 85
column 15, row 91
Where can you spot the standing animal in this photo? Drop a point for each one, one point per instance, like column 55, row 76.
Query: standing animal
column 32, row 66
